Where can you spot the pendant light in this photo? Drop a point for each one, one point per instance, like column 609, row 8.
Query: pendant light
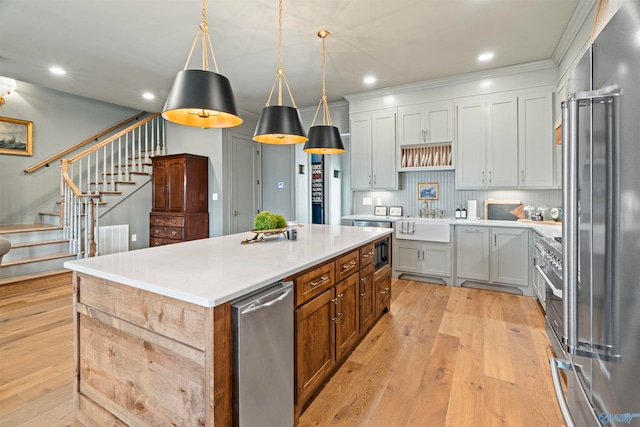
column 325, row 138
column 200, row 97
column 280, row 124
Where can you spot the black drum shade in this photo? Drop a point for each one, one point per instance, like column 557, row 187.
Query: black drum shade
column 203, row 99
column 279, row 124
column 324, row 140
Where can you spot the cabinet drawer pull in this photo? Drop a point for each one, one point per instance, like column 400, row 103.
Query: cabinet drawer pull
column 367, row 255
column 174, row 220
column 157, row 231
column 173, row 233
column 157, row 220
column 348, row 265
column 472, row 230
column 364, row 294
column 322, row 280
column 371, row 253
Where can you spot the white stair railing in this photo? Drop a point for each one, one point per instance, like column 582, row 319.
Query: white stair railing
column 98, row 170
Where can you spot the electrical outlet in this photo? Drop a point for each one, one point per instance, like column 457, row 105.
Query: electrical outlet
column 214, row 196
column 367, row 201
column 134, row 237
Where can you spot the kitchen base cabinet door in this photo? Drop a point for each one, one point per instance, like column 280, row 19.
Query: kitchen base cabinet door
column 436, row 260
column 315, row 344
column 367, row 299
column 510, row 256
column 348, row 319
column 472, row 253
column 382, row 284
column 407, row 256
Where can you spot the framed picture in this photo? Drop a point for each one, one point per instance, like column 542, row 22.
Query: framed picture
column 428, row 191
column 380, row 211
column 395, row 210
column 16, row 137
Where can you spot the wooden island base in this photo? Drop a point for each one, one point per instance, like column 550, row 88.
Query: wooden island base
column 144, row 359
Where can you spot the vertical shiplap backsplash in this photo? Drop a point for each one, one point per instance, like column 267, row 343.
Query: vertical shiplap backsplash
column 407, row 195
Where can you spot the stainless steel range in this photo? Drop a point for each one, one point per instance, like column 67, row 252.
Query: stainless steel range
column 549, row 266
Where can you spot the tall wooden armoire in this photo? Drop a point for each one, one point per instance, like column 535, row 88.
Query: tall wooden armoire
column 180, row 203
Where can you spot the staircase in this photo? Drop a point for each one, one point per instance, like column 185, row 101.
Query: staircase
column 92, row 183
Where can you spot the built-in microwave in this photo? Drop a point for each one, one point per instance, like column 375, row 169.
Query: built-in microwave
column 381, row 253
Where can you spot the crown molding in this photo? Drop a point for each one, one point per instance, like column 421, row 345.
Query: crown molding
column 579, row 17
column 453, row 80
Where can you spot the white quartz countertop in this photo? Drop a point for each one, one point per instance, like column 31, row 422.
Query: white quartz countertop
column 547, row 229
column 210, row 272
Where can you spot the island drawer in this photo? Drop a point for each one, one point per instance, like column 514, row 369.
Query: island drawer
column 346, row 265
column 366, row 254
column 314, row 282
column 167, row 232
column 169, row 220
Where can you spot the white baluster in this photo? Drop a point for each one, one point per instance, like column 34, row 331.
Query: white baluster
column 164, row 133
column 113, row 175
column 146, row 142
column 96, row 230
column 89, row 174
column 119, row 159
column 126, row 155
column 104, row 169
column 139, row 149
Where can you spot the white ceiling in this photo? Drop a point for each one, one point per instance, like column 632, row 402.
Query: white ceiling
column 114, row 50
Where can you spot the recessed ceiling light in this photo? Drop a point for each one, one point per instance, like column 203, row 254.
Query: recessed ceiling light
column 485, row 56
column 57, row 70
column 148, row 95
column 369, row 80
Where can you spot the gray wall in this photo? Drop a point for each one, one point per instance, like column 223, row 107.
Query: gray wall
column 59, row 121
column 278, row 164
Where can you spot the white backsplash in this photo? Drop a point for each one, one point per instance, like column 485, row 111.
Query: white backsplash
column 407, row 195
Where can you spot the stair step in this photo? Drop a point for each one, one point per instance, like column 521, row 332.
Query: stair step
column 37, row 259
column 111, row 193
column 139, row 173
column 23, row 228
column 50, row 213
column 45, row 242
column 34, row 282
column 126, row 182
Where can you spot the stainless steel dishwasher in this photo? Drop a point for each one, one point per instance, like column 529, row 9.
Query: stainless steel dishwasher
column 263, row 357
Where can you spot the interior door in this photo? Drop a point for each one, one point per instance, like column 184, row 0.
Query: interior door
column 245, row 182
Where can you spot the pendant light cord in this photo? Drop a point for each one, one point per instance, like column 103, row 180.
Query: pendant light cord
column 203, row 30
column 280, row 73
column 326, row 117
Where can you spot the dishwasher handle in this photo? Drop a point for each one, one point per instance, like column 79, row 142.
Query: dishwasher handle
column 259, row 305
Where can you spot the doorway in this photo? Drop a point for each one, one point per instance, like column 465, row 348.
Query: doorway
column 245, row 182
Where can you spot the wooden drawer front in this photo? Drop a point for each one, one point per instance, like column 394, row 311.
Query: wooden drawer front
column 161, row 242
column 171, row 221
column 366, row 254
column 314, row 282
column 167, row 232
column 346, row 265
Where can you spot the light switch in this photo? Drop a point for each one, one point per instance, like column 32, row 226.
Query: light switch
column 214, row 196
column 134, row 237
column 367, row 201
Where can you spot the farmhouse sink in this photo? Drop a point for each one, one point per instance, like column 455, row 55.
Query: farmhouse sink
column 426, row 230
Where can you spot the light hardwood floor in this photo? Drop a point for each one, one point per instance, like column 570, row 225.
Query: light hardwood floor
column 442, row 357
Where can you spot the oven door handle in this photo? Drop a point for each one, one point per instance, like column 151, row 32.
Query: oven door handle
column 557, row 292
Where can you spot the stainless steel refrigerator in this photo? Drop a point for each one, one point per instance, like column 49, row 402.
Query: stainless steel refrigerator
column 601, row 229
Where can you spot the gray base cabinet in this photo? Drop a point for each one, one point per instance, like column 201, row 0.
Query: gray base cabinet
column 424, row 258
column 494, row 255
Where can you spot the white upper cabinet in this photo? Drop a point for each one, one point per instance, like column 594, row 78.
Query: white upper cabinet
column 428, row 123
column 505, row 142
column 536, row 140
column 373, row 150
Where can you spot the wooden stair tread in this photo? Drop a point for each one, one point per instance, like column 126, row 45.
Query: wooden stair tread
column 50, row 213
column 40, row 243
column 111, row 192
column 23, row 228
column 33, row 276
column 37, row 259
column 126, row 182
column 139, row 173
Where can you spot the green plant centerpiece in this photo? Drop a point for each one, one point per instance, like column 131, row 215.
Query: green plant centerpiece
column 266, row 220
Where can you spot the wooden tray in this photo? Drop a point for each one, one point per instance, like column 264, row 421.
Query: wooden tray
column 261, row 234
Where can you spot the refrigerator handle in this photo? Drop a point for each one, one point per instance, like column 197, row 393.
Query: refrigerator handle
column 570, row 224
column 256, row 307
column 556, row 365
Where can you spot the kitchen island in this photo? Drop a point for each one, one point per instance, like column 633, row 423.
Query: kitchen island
column 153, row 333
